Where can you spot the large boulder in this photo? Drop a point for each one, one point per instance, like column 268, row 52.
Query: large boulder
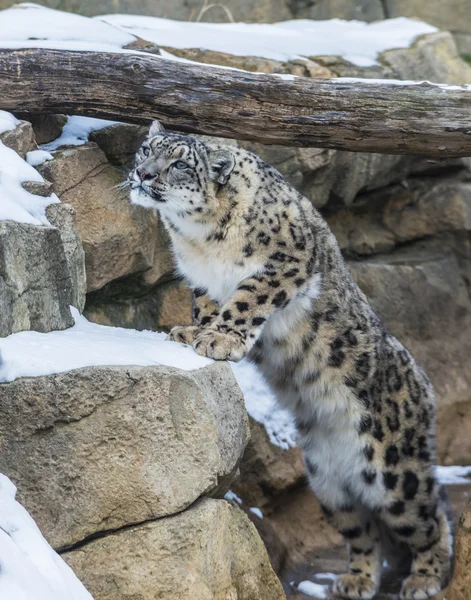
column 118, row 237
column 208, row 552
column 21, row 139
column 128, row 303
column 101, row 448
column 37, row 285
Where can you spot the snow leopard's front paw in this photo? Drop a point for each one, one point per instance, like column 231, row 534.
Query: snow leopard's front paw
column 184, row 335
column 353, row 586
column 220, row 346
column 420, row 587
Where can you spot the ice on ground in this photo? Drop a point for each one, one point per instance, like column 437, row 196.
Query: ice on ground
column 76, row 131
column 313, row 589
column 230, row 495
column 7, row 121
column 30, row 569
column 262, row 405
column 454, row 475
column 16, row 204
column 31, row 354
column 28, row 24
column 356, row 41
column 37, row 157
column 256, row 511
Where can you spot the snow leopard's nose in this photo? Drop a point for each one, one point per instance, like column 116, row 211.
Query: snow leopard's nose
column 143, row 174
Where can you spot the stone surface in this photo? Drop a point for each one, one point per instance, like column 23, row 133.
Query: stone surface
column 119, row 142
column 460, row 585
column 209, row 552
column 267, row 471
column 21, row 139
column 36, row 287
column 118, row 238
column 159, row 309
column 452, row 15
column 432, row 57
column 257, row 64
column 361, row 10
column 379, row 221
column 101, row 448
column 62, row 216
column 46, row 127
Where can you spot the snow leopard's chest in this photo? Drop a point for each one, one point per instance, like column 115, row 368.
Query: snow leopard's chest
column 213, row 271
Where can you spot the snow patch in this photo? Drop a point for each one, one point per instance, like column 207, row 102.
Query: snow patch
column 454, row 475
column 31, row 25
column 329, row 576
column 313, row 589
column 261, row 404
column 256, row 511
column 76, row 131
column 31, row 570
column 37, row 157
column 356, row 41
column 32, row 354
column 7, row 121
column 16, row 204
column 230, row 495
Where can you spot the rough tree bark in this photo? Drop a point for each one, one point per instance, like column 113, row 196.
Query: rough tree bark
column 349, row 115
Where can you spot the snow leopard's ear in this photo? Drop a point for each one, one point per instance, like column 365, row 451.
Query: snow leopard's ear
column 156, row 128
column 221, row 163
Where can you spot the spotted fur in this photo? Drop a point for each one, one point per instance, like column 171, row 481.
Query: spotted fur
column 270, row 283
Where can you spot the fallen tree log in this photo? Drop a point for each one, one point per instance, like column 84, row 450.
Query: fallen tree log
column 353, row 115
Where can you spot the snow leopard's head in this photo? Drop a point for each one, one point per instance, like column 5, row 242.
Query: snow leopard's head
column 178, row 174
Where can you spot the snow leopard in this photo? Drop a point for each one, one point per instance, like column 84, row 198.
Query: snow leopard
column 270, row 284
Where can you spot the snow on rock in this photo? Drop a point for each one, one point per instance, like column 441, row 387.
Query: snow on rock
column 7, row 121
column 76, row 131
column 30, row 569
column 230, row 495
column 256, row 511
column 313, row 589
column 262, row 405
column 32, row 354
column 37, row 157
column 454, row 475
column 31, row 25
column 356, row 41
column 16, row 203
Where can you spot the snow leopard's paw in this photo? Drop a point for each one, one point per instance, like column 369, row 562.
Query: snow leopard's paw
column 420, row 587
column 219, row 345
column 184, row 335
column 353, row 586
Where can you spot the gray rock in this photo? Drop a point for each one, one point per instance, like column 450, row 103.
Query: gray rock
column 452, row 15
column 118, row 238
column 101, row 448
column 62, row 216
column 208, row 552
column 21, row 139
column 46, row 127
column 36, row 288
column 361, row 10
column 119, row 142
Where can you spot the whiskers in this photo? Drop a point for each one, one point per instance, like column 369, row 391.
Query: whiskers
column 121, row 186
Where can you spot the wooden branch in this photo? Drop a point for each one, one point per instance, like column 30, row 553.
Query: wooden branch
column 358, row 116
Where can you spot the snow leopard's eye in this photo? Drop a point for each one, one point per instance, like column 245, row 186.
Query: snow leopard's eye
column 180, row 164
column 145, row 150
